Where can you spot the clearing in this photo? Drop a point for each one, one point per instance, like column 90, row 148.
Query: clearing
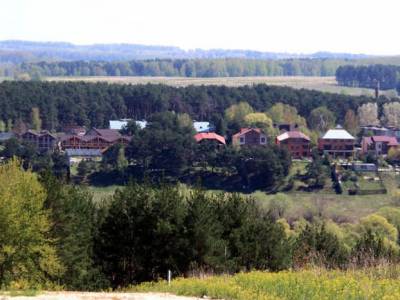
column 324, row 84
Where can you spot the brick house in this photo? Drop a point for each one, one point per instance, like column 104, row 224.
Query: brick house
column 210, row 136
column 94, row 139
column 378, row 145
column 337, row 143
column 42, row 140
column 297, row 143
column 249, row 137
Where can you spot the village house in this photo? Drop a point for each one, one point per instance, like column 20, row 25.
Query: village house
column 249, row 137
column 337, row 143
column 364, row 167
column 94, row 139
column 42, row 140
column 296, row 142
column 74, row 130
column 374, row 130
column 282, row 127
column 209, row 137
column 378, row 145
column 77, row 155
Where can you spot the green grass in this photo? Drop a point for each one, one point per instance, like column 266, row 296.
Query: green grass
column 101, row 193
column 19, row 293
column 366, row 181
column 340, row 208
column 324, row 84
column 315, row 284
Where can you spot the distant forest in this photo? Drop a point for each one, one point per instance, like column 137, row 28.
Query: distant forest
column 24, row 51
column 94, row 104
column 227, row 67
column 385, row 77
column 64, row 59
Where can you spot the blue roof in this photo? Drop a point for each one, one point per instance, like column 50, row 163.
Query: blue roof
column 4, row 136
column 83, row 152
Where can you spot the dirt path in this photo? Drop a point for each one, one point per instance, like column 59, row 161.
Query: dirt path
column 99, row 296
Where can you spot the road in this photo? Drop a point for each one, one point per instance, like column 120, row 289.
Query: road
column 98, row 296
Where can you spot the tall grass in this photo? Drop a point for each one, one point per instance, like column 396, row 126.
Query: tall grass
column 374, row 283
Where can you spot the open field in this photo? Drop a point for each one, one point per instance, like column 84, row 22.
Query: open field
column 339, row 208
column 374, row 283
column 325, row 84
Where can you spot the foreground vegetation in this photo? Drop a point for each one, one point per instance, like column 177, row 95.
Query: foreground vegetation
column 372, row 283
column 57, row 236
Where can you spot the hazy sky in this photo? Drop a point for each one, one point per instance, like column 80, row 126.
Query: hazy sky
column 357, row 26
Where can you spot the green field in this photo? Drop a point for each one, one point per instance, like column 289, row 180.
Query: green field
column 314, row 284
column 325, row 84
column 296, row 205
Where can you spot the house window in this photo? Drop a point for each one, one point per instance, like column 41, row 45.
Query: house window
column 242, row 140
column 263, row 140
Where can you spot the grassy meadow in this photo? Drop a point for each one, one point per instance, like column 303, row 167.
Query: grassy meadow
column 293, row 206
column 324, row 84
column 314, row 284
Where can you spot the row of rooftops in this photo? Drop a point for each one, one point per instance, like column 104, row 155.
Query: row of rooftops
column 109, row 135
column 337, row 133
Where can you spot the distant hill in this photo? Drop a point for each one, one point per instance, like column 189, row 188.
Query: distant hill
column 26, row 51
column 46, row 59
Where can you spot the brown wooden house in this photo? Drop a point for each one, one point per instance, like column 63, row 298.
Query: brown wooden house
column 249, row 137
column 296, row 142
column 94, row 139
column 42, row 140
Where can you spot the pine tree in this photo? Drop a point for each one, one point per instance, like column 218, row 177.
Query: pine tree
column 73, row 216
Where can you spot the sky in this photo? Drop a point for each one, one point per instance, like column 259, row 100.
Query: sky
column 294, row 26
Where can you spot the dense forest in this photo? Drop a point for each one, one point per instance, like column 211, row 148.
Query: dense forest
column 227, row 67
column 384, row 77
column 94, row 105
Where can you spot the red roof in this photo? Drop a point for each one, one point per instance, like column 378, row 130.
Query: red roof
column 292, row 135
column 209, row 136
column 391, row 140
column 385, row 139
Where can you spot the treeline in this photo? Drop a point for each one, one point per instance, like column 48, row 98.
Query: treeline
column 27, row 51
column 384, row 77
column 226, row 67
column 62, row 103
column 54, row 236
